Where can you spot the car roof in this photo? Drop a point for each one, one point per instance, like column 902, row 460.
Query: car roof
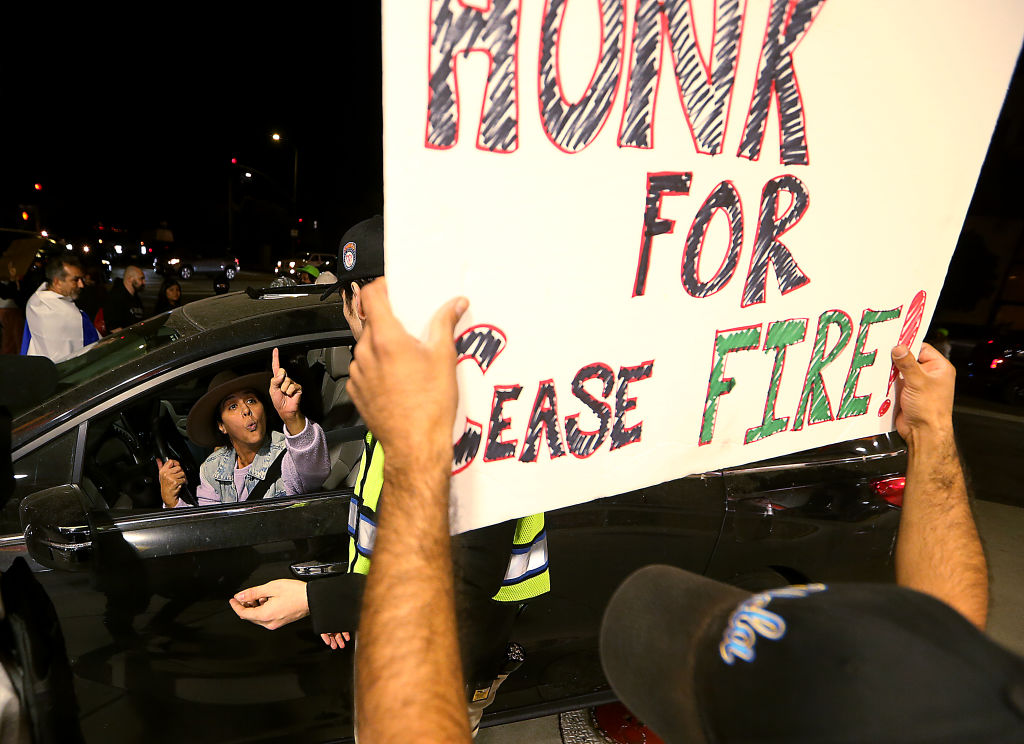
column 229, row 309
column 206, row 328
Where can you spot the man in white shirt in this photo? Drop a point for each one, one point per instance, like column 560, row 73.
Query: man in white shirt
column 54, row 326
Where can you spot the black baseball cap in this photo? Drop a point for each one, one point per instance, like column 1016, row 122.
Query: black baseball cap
column 360, row 254
column 703, row 662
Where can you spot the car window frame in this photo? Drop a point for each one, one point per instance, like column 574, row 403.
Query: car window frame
column 103, row 407
column 126, row 397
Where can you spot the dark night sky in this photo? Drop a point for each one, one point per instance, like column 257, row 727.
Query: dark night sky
column 132, row 122
column 136, row 124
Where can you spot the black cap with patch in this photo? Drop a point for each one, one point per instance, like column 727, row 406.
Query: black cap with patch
column 702, row 662
column 360, row 254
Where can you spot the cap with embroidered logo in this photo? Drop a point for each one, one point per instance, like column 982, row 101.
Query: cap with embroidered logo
column 360, row 254
column 699, row 661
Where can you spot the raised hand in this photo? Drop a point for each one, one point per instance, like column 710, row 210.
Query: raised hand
column 404, row 388
column 286, row 394
column 925, row 392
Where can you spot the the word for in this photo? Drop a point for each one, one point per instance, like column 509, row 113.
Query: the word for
column 724, row 198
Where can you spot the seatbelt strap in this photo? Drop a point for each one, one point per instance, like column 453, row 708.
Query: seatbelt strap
column 273, row 473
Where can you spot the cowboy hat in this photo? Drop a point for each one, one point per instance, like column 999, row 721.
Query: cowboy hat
column 202, row 419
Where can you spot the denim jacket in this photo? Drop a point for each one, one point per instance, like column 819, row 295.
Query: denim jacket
column 219, row 470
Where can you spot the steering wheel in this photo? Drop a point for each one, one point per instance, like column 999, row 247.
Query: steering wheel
column 171, row 445
column 118, row 464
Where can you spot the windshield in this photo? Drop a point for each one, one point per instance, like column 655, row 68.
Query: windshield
column 111, row 352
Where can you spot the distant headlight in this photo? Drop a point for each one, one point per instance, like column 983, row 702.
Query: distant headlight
column 291, row 264
column 105, row 261
column 278, row 263
column 174, row 261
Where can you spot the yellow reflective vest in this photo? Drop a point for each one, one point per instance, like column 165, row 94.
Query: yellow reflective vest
column 527, row 575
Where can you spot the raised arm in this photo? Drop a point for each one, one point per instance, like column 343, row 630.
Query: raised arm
column 938, row 551
column 408, row 677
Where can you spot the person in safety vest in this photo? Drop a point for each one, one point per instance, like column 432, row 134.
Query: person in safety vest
column 497, row 568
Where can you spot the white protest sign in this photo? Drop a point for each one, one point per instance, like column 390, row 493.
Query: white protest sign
column 690, row 232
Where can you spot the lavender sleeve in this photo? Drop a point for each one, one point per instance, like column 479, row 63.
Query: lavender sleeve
column 206, row 495
column 306, row 463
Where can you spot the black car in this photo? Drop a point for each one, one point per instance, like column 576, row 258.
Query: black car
column 995, row 367
column 186, row 264
column 142, row 591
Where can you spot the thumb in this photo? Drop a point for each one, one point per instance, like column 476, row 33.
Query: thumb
column 251, row 594
column 907, row 365
column 159, row 463
column 442, row 325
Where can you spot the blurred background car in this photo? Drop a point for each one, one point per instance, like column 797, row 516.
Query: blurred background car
column 995, row 368
column 185, row 264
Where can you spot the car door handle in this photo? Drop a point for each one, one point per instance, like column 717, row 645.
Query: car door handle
column 311, row 569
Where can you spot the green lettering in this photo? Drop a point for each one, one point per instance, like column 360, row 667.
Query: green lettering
column 851, row 403
column 737, row 339
column 814, row 392
column 781, row 333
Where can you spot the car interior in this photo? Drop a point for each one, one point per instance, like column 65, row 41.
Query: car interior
column 123, row 445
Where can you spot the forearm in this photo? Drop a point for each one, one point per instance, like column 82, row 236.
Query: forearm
column 407, row 658
column 306, row 462
column 938, row 550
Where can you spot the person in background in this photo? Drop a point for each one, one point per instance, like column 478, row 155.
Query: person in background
column 93, row 294
column 54, row 326
column 307, row 274
column 124, row 303
column 11, row 317
column 169, row 297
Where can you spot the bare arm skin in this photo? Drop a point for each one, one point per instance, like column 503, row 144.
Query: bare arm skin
column 409, row 685
column 938, row 550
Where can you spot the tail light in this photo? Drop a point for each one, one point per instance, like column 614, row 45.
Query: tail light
column 890, row 489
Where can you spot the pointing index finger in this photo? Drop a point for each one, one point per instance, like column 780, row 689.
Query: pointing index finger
column 275, row 362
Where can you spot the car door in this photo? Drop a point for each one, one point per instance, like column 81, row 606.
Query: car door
column 142, row 595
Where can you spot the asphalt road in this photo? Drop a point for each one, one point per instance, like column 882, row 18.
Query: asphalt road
column 991, row 441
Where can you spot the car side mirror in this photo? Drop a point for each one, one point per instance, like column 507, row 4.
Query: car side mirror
column 57, row 532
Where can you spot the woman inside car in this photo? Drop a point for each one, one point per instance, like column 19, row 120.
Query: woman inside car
column 250, row 462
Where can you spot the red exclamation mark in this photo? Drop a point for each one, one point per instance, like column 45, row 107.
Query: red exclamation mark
column 911, row 325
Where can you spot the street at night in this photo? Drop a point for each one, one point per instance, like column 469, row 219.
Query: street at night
column 695, row 240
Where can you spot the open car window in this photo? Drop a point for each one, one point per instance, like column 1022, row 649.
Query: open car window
column 123, row 445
